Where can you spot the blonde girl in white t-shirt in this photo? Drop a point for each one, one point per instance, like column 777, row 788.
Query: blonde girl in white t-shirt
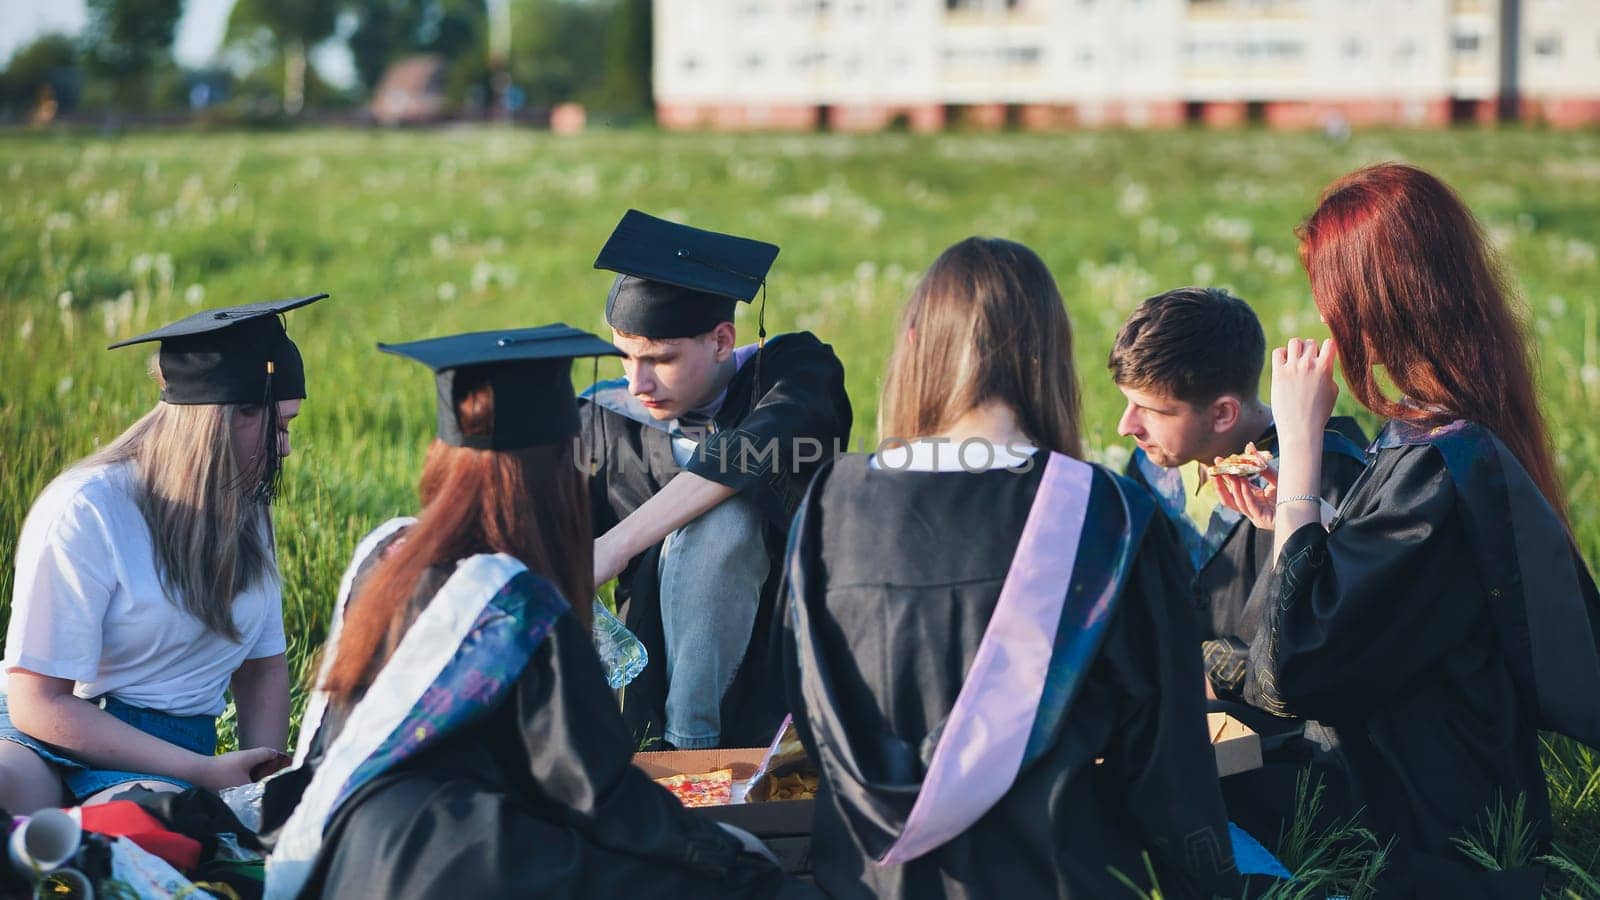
column 147, row 585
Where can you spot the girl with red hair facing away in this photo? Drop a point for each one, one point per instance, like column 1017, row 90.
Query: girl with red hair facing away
column 461, row 740
column 1442, row 616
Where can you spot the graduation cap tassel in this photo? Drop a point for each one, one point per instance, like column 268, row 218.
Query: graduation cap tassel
column 761, row 344
column 594, row 422
column 270, row 468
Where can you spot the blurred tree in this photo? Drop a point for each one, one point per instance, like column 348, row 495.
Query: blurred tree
column 127, row 41
column 295, row 26
column 387, row 30
column 558, row 49
column 48, row 65
column 629, row 48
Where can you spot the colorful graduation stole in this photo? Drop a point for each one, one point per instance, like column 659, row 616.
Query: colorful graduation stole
column 1044, row 634
column 455, row 664
column 1536, row 596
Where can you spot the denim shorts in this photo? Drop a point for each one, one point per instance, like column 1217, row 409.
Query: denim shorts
column 197, row 734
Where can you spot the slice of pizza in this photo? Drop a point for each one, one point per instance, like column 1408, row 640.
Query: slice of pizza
column 706, row 789
column 1250, row 462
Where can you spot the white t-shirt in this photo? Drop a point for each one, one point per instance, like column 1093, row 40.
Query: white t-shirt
column 939, row 455
column 89, row 605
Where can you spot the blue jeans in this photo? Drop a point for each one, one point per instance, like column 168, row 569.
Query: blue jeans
column 197, row 734
column 711, row 571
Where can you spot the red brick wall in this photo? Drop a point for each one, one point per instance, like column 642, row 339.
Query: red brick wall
column 1562, row 112
column 1224, row 114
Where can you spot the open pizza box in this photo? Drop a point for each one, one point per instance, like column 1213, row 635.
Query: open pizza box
column 1238, row 748
column 785, row 825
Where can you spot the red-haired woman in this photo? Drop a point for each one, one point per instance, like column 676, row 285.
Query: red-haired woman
column 463, row 741
column 1443, row 616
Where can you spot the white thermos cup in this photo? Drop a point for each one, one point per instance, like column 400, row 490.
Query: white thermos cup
column 44, row 842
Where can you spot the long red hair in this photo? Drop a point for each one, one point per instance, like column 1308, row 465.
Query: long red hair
column 1403, row 275
column 531, row 504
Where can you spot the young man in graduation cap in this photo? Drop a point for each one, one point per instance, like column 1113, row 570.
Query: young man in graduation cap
column 1189, row 362
column 703, row 452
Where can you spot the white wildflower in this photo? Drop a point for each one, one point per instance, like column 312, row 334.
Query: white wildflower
column 1134, row 199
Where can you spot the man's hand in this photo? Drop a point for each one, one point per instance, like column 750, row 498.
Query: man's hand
column 1258, row 504
column 685, row 498
column 608, row 561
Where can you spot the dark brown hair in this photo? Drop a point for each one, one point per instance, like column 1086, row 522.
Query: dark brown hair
column 1401, row 271
column 985, row 323
column 531, row 504
column 1192, row 343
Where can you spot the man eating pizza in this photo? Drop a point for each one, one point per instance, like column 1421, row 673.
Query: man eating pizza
column 1189, row 363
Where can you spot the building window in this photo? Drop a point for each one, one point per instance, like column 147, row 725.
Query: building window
column 1352, row 49
column 1405, row 51
column 1467, row 43
column 1547, row 46
column 690, row 64
column 810, row 60
column 1008, row 56
column 753, row 62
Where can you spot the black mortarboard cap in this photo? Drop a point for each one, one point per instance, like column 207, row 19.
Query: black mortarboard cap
column 236, row 354
column 675, row 281
column 529, row 371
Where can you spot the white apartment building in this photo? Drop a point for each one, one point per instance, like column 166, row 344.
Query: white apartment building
column 867, row 64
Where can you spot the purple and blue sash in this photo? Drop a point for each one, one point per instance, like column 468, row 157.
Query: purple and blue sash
column 1046, row 630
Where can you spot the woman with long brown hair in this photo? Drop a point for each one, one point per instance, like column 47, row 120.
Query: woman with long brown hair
column 977, row 617
column 147, row 583
column 462, row 739
column 1442, row 616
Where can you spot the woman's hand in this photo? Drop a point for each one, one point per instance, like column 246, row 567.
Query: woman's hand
column 233, row 769
column 1258, row 504
column 1303, row 391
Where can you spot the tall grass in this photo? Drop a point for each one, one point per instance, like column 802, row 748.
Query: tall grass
column 424, row 234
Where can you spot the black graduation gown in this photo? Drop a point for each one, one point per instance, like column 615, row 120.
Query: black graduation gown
column 1230, row 592
column 801, row 399
column 902, row 571
column 1384, row 628
column 1225, row 587
column 540, row 799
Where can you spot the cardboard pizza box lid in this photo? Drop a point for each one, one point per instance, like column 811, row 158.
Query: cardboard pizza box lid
column 1238, row 748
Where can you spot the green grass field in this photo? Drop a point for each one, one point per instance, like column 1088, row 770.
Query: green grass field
column 419, row 234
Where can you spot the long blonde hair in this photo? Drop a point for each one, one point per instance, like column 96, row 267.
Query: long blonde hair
column 985, row 324
column 212, row 541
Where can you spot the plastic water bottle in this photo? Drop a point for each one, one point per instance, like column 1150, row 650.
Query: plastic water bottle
column 620, row 652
